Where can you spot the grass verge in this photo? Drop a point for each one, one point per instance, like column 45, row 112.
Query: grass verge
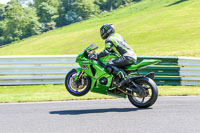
column 38, row 93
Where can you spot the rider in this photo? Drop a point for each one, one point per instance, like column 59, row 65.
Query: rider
column 115, row 43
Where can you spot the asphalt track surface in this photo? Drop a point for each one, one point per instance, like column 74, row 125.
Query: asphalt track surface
column 167, row 115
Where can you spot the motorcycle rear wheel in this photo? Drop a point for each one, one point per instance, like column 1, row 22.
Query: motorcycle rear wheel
column 151, row 93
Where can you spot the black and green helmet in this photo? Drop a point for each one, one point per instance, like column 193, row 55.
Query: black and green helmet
column 106, row 30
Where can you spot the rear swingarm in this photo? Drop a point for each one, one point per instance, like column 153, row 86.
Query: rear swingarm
column 135, row 88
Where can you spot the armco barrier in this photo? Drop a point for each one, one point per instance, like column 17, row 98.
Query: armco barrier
column 25, row 70
column 52, row 69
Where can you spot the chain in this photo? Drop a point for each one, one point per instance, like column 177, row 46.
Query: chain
column 124, row 92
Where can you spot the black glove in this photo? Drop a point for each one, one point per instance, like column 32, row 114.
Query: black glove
column 92, row 56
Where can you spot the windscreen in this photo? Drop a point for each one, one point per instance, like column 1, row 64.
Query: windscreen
column 91, row 47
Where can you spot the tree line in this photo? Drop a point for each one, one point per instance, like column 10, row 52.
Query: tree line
column 18, row 21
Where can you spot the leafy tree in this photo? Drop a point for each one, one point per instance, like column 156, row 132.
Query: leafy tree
column 71, row 11
column 72, row 17
column 111, row 4
column 13, row 19
column 68, row 4
column 85, row 8
column 2, row 25
column 47, row 11
column 31, row 24
column 48, row 14
column 2, row 28
column 64, row 11
column 60, row 21
column 53, row 3
column 2, row 12
column 19, row 22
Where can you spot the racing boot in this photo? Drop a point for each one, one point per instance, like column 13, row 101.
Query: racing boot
column 118, row 73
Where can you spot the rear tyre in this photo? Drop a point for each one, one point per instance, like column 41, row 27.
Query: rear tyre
column 151, row 93
column 71, row 86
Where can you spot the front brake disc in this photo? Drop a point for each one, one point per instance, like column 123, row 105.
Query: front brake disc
column 74, row 85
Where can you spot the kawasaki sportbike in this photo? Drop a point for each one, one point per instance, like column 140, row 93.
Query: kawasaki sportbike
column 140, row 90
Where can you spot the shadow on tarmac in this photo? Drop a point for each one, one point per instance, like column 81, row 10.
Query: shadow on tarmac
column 94, row 111
column 177, row 2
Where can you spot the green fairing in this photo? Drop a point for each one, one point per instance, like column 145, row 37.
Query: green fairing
column 100, row 72
column 89, row 66
column 141, row 65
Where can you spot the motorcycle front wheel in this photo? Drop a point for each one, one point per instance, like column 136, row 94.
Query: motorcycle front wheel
column 83, row 86
column 150, row 91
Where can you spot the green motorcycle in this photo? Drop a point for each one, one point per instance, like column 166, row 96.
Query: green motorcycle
column 140, row 90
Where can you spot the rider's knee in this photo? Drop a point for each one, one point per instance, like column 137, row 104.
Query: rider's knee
column 109, row 68
column 115, row 70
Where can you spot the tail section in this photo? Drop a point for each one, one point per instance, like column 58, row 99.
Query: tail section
column 141, row 65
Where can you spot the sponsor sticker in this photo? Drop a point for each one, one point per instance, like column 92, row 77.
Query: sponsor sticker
column 85, row 67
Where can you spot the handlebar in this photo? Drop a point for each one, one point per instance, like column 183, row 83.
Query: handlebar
column 88, row 52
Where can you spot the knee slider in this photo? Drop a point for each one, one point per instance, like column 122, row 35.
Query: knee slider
column 109, row 69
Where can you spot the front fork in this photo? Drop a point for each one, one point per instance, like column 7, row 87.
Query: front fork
column 79, row 74
column 78, row 77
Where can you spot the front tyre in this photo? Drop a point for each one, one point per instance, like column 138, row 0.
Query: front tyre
column 150, row 93
column 83, row 86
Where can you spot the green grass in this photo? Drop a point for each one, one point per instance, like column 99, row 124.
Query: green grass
column 179, row 90
column 38, row 93
column 35, row 93
column 151, row 27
